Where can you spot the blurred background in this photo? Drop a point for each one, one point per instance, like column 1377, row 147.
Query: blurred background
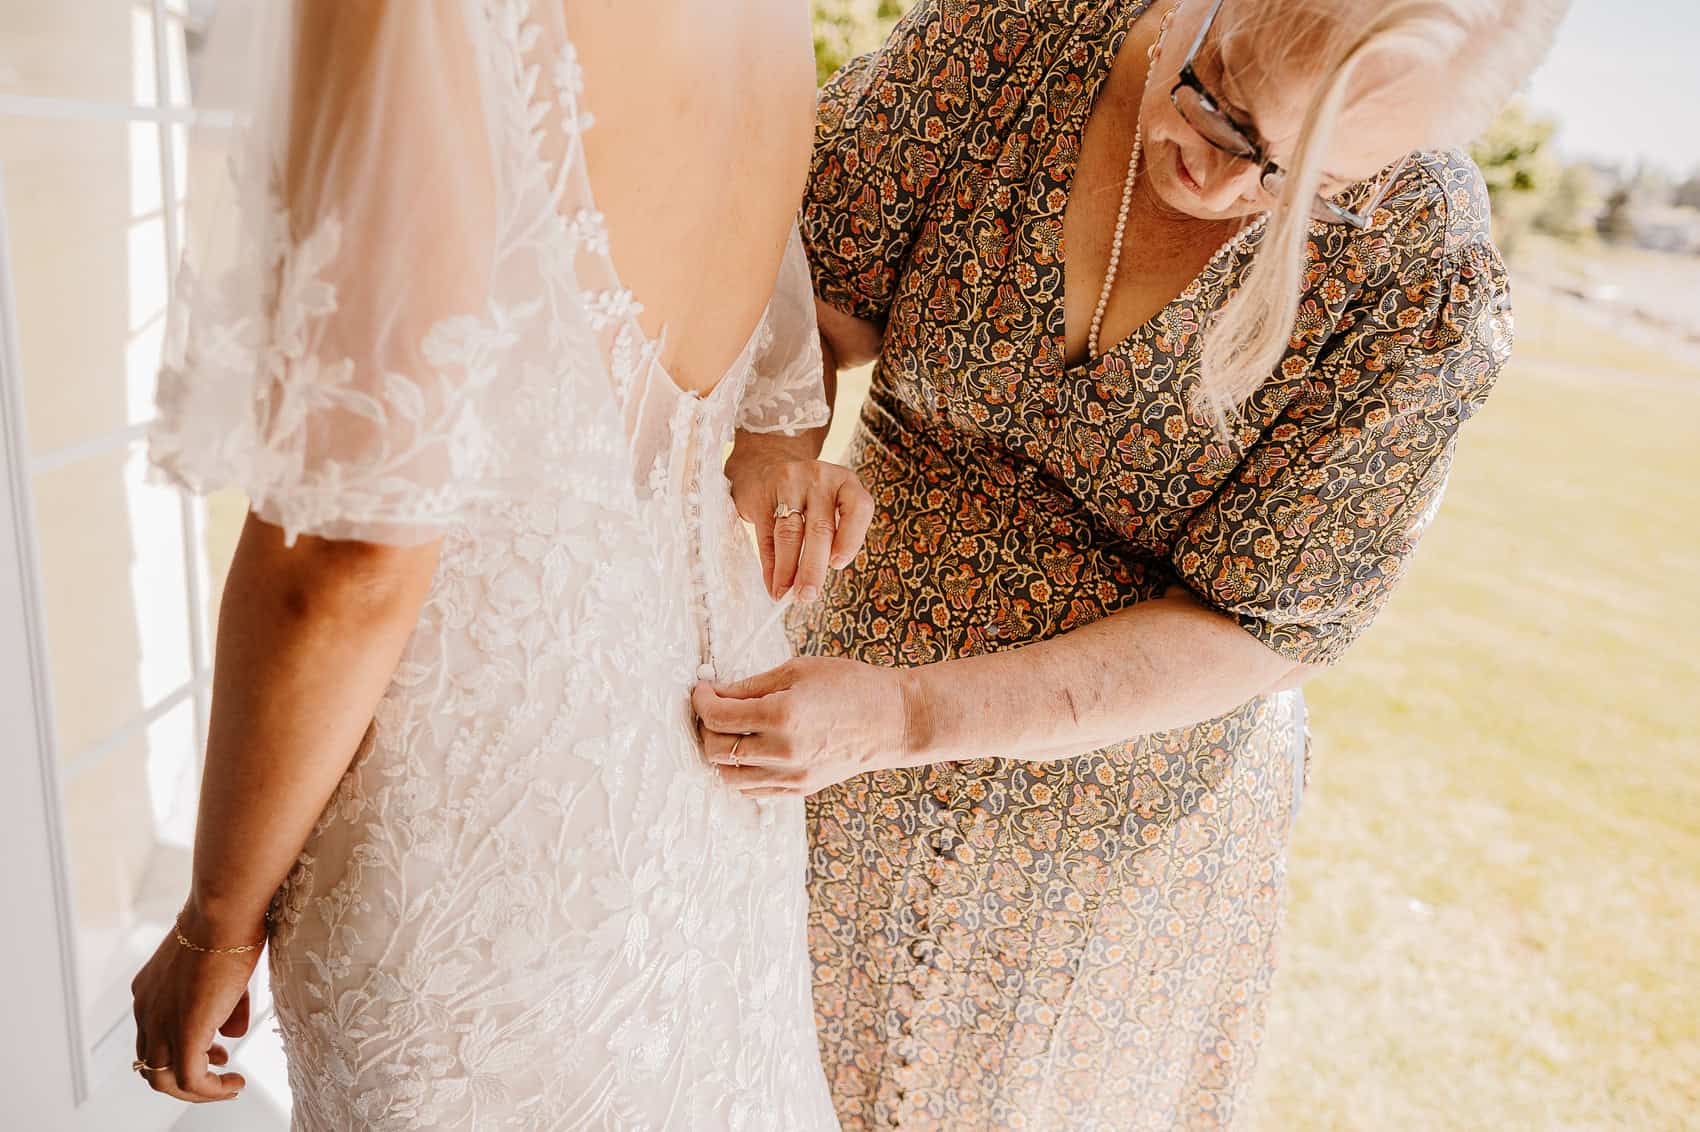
column 1495, row 890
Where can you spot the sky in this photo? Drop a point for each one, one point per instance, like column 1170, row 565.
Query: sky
column 1623, row 81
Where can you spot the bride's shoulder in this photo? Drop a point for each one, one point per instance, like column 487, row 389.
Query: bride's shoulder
column 691, row 36
column 689, row 66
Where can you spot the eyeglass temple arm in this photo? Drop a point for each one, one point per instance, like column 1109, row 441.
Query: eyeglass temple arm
column 1203, row 30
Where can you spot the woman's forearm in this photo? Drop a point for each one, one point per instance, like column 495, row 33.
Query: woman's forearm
column 308, row 638
column 1159, row 665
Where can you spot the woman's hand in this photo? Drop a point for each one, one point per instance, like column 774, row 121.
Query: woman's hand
column 183, row 1000
column 808, row 514
column 807, row 724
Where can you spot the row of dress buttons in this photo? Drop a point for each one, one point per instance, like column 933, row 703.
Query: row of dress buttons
column 685, row 419
column 927, row 983
column 925, row 980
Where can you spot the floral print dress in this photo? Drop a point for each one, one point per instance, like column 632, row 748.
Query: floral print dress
column 1088, row 943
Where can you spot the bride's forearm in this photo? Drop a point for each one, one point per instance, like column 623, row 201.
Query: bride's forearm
column 308, row 638
column 1158, row 665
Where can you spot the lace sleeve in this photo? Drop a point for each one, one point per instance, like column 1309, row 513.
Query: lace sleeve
column 366, row 338
column 787, row 392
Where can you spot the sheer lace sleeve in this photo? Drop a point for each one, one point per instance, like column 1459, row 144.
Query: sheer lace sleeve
column 367, row 337
column 787, row 392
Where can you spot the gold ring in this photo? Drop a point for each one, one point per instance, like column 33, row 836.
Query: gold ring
column 141, row 1066
column 783, row 510
column 734, row 755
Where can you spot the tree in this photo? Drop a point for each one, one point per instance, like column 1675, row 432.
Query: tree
column 1570, row 209
column 1688, row 193
column 1515, row 155
column 1652, row 188
column 1636, row 200
column 1617, row 222
column 845, row 29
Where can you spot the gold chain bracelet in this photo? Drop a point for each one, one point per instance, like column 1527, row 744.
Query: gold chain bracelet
column 183, row 941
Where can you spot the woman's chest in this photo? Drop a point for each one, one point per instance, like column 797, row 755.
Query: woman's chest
column 978, row 345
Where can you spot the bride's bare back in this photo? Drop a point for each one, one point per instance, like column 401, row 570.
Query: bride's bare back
column 704, row 115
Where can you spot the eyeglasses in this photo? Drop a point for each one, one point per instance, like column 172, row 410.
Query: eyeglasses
column 1203, row 112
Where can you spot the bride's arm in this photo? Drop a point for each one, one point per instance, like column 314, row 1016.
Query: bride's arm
column 390, row 206
column 308, row 637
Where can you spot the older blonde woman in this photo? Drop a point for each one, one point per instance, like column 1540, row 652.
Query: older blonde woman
column 1179, row 308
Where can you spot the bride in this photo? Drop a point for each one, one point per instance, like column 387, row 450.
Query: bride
column 453, row 783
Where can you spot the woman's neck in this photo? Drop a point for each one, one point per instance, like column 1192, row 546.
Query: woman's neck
column 1157, row 220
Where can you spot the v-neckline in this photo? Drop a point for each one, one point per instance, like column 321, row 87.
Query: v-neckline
column 1070, row 169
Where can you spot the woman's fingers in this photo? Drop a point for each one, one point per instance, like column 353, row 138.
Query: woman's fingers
column 196, row 1078
column 731, row 716
column 820, row 528
column 191, row 1069
column 767, row 552
column 188, row 1077
column 181, row 1065
column 159, row 1069
column 778, row 779
column 855, row 512
column 752, row 750
column 764, row 544
column 809, row 516
column 788, row 533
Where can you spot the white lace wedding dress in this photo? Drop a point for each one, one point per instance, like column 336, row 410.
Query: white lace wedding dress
column 530, row 904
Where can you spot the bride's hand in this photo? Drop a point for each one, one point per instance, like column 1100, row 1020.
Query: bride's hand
column 810, row 723
column 808, row 514
column 183, row 1000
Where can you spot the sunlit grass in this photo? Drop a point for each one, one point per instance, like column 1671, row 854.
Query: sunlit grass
column 1555, row 334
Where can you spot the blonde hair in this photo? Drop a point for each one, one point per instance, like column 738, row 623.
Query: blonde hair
column 1478, row 53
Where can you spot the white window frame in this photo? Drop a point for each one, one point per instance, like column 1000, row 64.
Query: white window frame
column 93, row 1079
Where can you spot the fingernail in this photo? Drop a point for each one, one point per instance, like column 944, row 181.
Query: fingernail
column 808, row 593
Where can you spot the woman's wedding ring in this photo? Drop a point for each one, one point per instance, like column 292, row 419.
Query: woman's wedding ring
column 143, row 1067
column 783, row 509
column 734, row 755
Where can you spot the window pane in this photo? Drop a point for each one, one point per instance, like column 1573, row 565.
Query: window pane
column 115, row 593
column 185, row 35
column 88, row 263
column 94, row 50
column 128, row 825
column 177, row 81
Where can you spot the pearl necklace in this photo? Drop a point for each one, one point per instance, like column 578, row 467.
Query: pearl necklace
column 1127, row 191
